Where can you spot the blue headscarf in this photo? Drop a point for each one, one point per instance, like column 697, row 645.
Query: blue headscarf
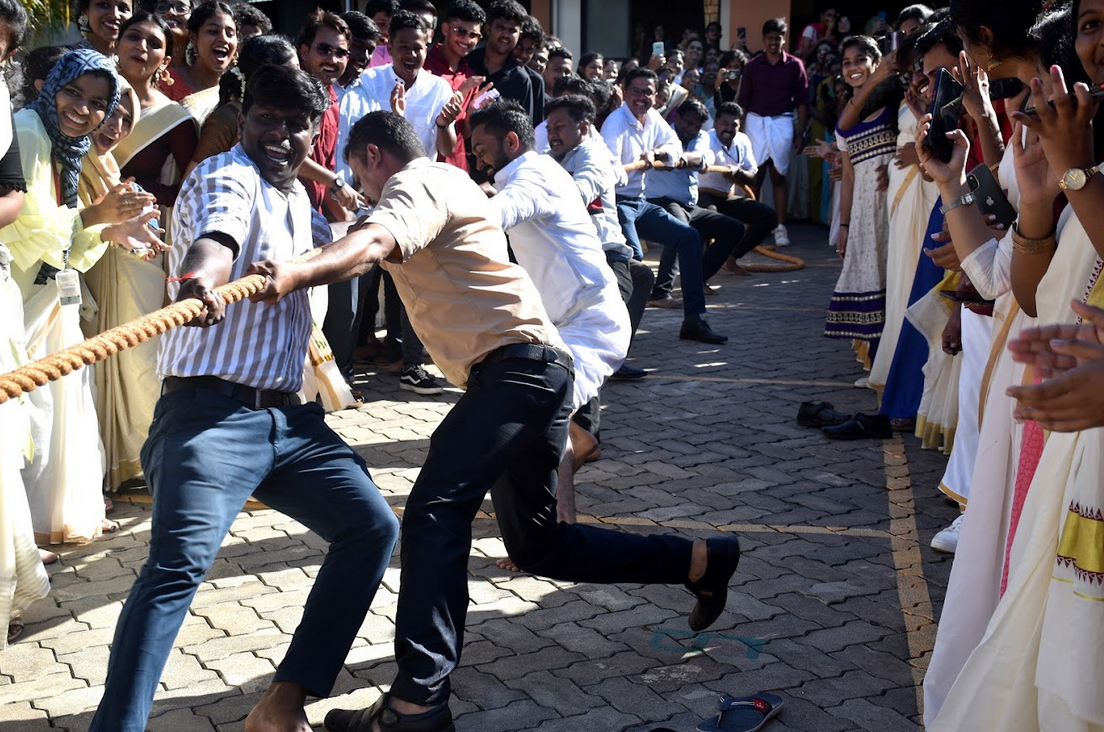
column 70, row 150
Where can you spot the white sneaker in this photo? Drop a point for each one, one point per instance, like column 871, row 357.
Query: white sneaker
column 781, row 236
column 946, row 541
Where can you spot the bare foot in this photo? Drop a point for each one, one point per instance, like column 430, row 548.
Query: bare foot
column 47, row 557
column 699, row 557
column 15, row 629
column 507, row 564
column 280, row 710
column 108, row 526
column 583, row 444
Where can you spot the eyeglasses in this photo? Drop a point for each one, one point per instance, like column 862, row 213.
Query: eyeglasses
column 634, row 92
column 465, row 33
column 177, row 8
column 325, row 49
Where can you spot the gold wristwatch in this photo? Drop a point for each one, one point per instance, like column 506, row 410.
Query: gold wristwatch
column 1075, row 179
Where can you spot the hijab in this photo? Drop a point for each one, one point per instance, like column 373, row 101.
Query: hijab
column 100, row 173
column 69, row 151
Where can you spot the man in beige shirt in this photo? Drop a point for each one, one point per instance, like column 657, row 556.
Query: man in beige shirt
column 482, row 320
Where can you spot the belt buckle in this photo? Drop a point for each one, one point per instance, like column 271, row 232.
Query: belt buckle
column 257, row 399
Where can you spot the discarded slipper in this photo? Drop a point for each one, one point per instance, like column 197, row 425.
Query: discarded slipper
column 743, row 714
column 15, row 629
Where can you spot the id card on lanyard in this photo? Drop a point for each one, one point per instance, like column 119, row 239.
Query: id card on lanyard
column 67, row 279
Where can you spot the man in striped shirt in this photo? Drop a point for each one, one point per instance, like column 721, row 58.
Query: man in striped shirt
column 482, row 319
column 228, row 424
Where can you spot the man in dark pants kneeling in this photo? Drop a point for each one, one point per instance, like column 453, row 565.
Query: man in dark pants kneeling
column 229, row 425
column 483, row 322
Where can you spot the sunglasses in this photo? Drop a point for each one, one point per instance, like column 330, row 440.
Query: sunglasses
column 465, row 33
column 325, row 49
column 178, row 8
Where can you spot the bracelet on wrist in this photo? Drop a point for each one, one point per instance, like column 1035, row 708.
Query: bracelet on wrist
column 848, row 225
column 441, row 126
column 1033, row 247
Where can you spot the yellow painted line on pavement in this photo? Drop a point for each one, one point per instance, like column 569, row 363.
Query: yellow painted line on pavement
column 912, row 585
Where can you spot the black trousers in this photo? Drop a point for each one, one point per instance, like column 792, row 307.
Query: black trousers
column 725, row 232
column 759, row 218
column 506, row 436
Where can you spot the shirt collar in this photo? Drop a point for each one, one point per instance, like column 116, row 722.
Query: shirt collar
column 503, row 176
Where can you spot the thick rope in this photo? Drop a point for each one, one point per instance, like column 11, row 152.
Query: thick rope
column 128, row 335
column 786, row 263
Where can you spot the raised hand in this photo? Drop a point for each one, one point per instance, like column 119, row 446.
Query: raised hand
column 398, row 99
column 1064, row 129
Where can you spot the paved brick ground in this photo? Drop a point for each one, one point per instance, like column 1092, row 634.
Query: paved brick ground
column 832, row 607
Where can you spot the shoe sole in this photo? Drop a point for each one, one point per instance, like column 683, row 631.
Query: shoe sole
column 423, row 390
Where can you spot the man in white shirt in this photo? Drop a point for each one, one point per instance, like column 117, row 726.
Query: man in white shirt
column 229, row 425
column 554, row 240
column 635, row 132
column 677, row 192
column 727, row 192
column 576, row 145
column 415, row 93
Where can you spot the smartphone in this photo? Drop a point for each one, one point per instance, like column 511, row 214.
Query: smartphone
column 891, row 42
column 882, row 19
column 990, row 198
column 1004, row 88
column 486, row 98
column 1096, row 92
column 741, row 33
column 658, row 49
column 946, row 112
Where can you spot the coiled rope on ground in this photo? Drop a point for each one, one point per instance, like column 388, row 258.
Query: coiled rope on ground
column 785, row 262
column 128, row 335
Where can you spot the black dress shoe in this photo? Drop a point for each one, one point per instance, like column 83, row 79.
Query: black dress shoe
column 628, row 373
column 696, row 329
column 438, row 719
column 819, row 415
column 861, row 427
column 722, row 557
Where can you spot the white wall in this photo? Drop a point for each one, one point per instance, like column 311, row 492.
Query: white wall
column 567, row 24
column 608, row 28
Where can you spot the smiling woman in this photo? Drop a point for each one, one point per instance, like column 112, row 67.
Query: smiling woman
column 100, row 21
column 212, row 43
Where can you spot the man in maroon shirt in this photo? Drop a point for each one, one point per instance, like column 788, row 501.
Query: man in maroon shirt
column 774, row 86
column 324, row 54
column 461, row 30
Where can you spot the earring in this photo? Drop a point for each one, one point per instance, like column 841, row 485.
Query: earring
column 164, row 78
column 82, row 23
column 190, row 54
column 993, row 63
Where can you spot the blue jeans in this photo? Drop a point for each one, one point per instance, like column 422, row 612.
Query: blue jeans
column 640, row 219
column 506, row 436
column 205, row 455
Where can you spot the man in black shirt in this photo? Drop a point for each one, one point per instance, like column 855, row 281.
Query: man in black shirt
column 495, row 59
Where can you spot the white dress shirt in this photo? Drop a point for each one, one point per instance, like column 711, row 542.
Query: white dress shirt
column 372, row 92
column 256, row 344
column 596, row 176
column 628, row 139
column 739, row 154
column 554, row 240
column 682, row 184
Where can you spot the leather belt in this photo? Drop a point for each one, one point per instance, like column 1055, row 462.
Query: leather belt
column 247, row 395
column 530, row 352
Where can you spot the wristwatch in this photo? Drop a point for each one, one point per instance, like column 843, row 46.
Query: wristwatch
column 1075, row 179
column 966, row 200
column 337, row 185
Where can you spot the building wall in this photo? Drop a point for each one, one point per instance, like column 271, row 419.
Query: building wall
column 751, row 14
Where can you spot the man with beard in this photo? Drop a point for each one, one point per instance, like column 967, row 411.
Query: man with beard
column 635, row 132
column 229, row 425
column 575, row 144
column 677, row 192
column 725, row 191
column 483, row 320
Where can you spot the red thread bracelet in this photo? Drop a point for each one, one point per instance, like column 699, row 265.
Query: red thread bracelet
column 182, row 278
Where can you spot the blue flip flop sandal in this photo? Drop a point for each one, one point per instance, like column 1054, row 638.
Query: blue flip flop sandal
column 743, row 714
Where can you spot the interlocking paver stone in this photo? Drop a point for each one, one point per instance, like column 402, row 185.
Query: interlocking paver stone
column 707, row 441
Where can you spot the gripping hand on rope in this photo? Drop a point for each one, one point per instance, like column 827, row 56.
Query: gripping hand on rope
column 206, row 266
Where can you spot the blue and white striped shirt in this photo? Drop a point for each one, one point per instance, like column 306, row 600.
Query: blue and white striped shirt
column 258, row 345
